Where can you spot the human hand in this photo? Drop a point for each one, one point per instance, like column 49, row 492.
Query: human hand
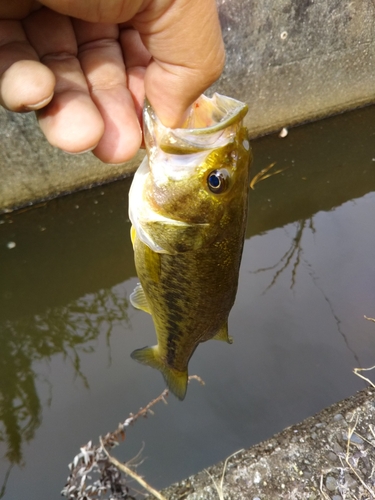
column 85, row 66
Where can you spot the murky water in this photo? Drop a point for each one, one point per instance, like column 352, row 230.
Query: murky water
column 67, row 330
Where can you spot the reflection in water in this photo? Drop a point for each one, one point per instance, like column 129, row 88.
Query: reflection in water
column 19, row 402
column 293, row 257
column 64, row 330
column 337, row 319
column 295, row 250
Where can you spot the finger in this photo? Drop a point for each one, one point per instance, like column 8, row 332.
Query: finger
column 134, row 52
column 136, row 58
column 25, row 83
column 188, row 54
column 103, row 64
column 98, row 11
column 71, row 120
column 18, row 9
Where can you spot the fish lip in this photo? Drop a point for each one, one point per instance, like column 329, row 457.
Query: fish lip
column 223, row 115
column 235, row 112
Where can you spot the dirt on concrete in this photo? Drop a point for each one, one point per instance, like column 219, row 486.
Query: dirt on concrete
column 328, row 456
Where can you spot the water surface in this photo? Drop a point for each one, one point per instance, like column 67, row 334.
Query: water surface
column 66, row 328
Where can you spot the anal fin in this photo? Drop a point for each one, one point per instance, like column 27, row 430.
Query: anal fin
column 138, row 299
column 222, row 334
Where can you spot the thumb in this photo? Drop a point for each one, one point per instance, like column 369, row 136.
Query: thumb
column 184, row 39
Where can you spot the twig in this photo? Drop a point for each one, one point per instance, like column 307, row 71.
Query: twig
column 196, row 377
column 219, row 491
column 350, row 433
column 133, row 461
column 119, row 433
column 132, row 474
column 321, row 489
column 225, row 466
column 262, row 175
column 356, row 370
column 219, row 488
column 143, row 412
column 370, row 319
column 94, row 461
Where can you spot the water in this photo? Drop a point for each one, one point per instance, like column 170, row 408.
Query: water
column 67, row 330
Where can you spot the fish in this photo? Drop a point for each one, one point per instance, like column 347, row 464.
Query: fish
column 188, row 208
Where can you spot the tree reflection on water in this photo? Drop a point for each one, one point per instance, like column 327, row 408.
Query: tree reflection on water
column 295, row 252
column 66, row 330
column 292, row 259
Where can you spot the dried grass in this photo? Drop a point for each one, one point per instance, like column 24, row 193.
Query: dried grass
column 95, row 460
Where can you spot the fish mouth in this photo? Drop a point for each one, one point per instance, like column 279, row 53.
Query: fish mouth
column 208, row 115
column 212, row 122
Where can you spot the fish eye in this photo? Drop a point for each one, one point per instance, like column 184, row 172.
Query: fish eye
column 218, row 181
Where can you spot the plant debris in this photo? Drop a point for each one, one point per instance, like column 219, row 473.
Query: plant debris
column 95, row 474
column 264, row 174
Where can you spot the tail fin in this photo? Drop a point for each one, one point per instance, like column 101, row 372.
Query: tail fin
column 176, row 380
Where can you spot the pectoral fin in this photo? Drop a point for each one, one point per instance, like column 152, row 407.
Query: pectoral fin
column 176, row 380
column 222, row 334
column 133, row 234
column 138, row 299
column 152, row 262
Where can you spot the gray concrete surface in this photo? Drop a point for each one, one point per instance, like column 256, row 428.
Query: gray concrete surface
column 290, row 60
column 328, row 456
column 31, row 170
column 297, row 60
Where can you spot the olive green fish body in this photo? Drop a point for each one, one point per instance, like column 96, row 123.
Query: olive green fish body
column 188, row 206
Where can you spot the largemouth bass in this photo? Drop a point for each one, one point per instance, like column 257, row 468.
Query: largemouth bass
column 188, row 208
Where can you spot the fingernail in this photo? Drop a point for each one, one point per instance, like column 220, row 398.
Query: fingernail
column 80, row 152
column 39, row 105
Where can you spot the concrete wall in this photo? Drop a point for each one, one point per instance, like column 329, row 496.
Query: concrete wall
column 298, row 60
column 32, row 170
column 290, row 60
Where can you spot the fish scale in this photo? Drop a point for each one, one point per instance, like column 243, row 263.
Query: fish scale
column 171, row 294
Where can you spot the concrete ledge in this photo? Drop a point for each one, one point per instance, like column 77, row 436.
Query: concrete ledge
column 31, row 170
column 290, row 60
column 330, row 455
